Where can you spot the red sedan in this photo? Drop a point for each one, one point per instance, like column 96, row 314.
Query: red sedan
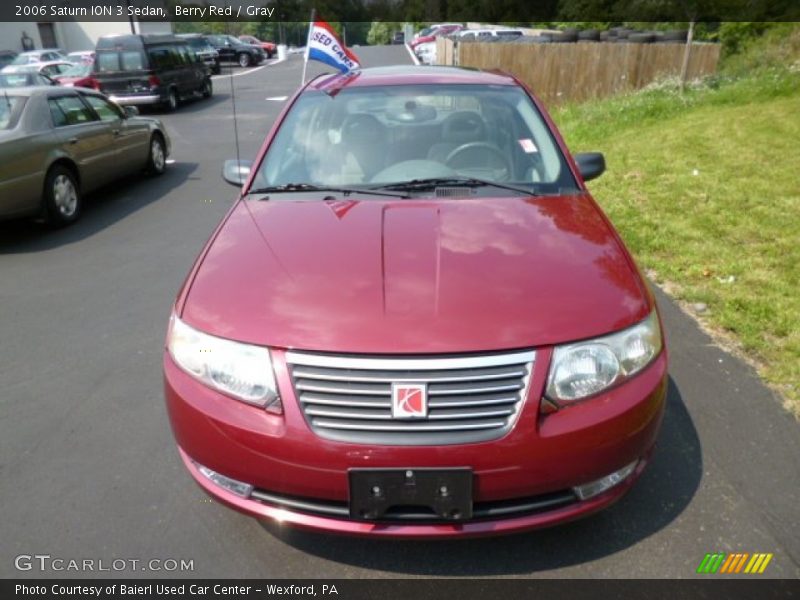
column 268, row 47
column 415, row 321
column 443, row 30
column 79, row 75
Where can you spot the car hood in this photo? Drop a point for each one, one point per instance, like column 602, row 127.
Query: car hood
column 415, row 276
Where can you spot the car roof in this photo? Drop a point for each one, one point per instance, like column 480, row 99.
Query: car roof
column 410, row 75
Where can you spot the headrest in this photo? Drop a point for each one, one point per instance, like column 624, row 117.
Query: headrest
column 362, row 128
column 463, row 127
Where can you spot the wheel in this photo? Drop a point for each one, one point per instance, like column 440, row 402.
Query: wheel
column 217, row 68
column 62, row 197
column 244, row 60
column 207, row 88
column 172, row 101
column 479, row 156
column 157, row 158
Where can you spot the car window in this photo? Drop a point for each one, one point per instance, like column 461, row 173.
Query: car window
column 380, row 135
column 10, row 80
column 42, row 80
column 70, row 110
column 105, row 110
column 79, row 70
column 10, row 110
column 113, row 61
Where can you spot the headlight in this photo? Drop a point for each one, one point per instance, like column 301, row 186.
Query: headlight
column 586, row 368
column 241, row 370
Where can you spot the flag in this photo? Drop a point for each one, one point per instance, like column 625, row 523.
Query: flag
column 324, row 46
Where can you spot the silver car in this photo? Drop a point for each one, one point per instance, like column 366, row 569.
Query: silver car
column 58, row 143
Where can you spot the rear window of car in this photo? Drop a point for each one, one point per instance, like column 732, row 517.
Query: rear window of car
column 11, row 80
column 123, row 60
column 10, row 110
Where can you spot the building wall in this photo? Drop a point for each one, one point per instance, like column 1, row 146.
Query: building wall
column 74, row 35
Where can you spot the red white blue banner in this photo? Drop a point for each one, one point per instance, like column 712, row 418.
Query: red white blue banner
column 324, row 46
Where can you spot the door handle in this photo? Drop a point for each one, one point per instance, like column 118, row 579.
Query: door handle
column 72, row 140
column 115, row 132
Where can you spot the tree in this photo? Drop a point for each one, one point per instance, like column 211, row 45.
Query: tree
column 379, row 34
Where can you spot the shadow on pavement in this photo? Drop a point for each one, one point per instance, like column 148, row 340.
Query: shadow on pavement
column 663, row 492
column 101, row 208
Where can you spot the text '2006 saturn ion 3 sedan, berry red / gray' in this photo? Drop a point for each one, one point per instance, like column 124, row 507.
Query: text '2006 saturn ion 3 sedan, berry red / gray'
column 415, row 321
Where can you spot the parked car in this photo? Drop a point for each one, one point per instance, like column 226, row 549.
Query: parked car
column 482, row 35
column 50, row 69
column 203, row 49
column 6, row 57
column 439, row 31
column 79, row 75
column 81, row 56
column 268, row 47
column 232, row 49
column 415, row 321
column 25, row 79
column 57, row 143
column 430, row 29
column 426, row 53
column 149, row 70
column 399, row 37
column 35, row 57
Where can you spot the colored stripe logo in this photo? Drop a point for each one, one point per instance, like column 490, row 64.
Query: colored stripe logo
column 737, row 562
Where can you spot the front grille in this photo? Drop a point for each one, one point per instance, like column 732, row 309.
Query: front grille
column 470, row 398
column 498, row 509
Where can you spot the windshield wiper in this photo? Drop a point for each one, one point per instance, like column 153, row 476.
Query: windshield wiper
column 310, row 187
column 434, row 182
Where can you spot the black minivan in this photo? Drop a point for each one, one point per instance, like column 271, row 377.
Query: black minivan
column 149, row 70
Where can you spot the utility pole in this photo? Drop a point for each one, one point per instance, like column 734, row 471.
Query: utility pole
column 130, row 16
column 686, row 55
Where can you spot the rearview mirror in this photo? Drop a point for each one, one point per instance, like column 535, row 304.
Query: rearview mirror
column 131, row 111
column 236, row 172
column 590, row 164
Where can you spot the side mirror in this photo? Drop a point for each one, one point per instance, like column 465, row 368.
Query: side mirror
column 236, row 172
column 590, row 164
column 131, row 111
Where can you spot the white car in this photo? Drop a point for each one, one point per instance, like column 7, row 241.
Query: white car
column 426, row 53
column 37, row 56
column 487, row 34
column 52, row 68
column 85, row 56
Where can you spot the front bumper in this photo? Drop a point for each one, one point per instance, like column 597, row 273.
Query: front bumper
column 541, row 458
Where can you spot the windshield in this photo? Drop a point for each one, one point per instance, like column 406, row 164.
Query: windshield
column 200, row 45
column 378, row 136
column 78, row 70
column 24, row 59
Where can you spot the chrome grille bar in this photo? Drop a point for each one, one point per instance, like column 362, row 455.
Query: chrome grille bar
column 471, row 398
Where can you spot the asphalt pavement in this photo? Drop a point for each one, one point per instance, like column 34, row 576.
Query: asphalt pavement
column 88, row 465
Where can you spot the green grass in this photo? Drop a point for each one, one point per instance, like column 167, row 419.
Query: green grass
column 705, row 187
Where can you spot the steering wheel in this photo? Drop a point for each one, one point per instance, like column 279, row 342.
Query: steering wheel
column 480, row 156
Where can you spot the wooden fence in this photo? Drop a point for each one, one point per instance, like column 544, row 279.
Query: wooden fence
column 559, row 73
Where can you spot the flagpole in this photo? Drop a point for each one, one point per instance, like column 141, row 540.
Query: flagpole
column 308, row 43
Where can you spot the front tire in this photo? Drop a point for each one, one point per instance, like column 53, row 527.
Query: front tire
column 244, row 60
column 62, row 197
column 207, row 88
column 157, row 158
column 172, row 101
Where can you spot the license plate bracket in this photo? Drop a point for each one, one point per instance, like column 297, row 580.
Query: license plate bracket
column 377, row 494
